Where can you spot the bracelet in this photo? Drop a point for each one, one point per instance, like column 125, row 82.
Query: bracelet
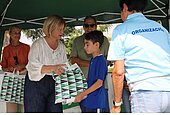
column 117, row 104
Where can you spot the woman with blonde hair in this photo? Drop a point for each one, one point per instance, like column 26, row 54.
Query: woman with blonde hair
column 15, row 55
column 47, row 56
column 15, row 58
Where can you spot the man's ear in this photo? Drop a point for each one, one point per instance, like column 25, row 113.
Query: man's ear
column 125, row 8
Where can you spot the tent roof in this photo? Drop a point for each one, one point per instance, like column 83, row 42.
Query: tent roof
column 31, row 13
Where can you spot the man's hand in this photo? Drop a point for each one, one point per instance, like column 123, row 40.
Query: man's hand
column 115, row 109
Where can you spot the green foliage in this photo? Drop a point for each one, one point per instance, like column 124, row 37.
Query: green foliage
column 33, row 33
column 104, row 27
column 70, row 34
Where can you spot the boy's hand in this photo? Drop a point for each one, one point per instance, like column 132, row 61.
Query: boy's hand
column 79, row 97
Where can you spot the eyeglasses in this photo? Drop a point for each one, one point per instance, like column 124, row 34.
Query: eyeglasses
column 89, row 25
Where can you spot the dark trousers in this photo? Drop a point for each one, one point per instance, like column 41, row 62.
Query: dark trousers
column 39, row 96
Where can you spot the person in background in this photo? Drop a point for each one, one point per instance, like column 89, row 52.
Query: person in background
column 15, row 55
column 140, row 49
column 15, row 58
column 96, row 96
column 47, row 56
column 78, row 54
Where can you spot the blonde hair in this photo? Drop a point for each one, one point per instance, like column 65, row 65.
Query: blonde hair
column 51, row 23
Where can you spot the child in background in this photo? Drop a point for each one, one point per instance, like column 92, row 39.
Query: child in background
column 97, row 96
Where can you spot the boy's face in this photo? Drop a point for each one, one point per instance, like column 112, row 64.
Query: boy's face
column 90, row 47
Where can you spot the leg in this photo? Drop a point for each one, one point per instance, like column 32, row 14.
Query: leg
column 33, row 100
column 51, row 106
column 166, row 102
column 146, row 102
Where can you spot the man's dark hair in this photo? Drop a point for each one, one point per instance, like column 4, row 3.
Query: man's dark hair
column 90, row 17
column 134, row 5
column 95, row 36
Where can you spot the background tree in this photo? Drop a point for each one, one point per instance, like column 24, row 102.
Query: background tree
column 33, row 33
column 70, row 34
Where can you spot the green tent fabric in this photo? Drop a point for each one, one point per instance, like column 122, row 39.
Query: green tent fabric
column 31, row 13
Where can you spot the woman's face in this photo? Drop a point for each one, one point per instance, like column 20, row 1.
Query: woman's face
column 15, row 34
column 58, row 32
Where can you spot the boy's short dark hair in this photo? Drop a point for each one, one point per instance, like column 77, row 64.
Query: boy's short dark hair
column 95, row 36
column 134, row 5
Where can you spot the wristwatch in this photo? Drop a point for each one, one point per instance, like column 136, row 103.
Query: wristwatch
column 117, row 104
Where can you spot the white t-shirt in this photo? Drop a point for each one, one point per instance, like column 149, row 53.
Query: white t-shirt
column 41, row 54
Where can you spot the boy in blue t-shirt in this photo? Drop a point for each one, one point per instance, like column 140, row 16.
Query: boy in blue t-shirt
column 96, row 96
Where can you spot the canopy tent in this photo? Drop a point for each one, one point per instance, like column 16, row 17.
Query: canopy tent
column 32, row 13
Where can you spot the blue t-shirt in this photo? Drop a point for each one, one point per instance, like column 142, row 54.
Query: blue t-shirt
column 97, row 70
column 144, row 45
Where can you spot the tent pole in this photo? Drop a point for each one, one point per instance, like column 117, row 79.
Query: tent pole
column 4, row 12
column 158, row 7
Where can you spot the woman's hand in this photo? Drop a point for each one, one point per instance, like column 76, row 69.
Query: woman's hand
column 10, row 69
column 59, row 70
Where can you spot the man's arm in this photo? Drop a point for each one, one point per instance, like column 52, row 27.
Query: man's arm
column 74, row 58
column 117, row 79
column 80, row 62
